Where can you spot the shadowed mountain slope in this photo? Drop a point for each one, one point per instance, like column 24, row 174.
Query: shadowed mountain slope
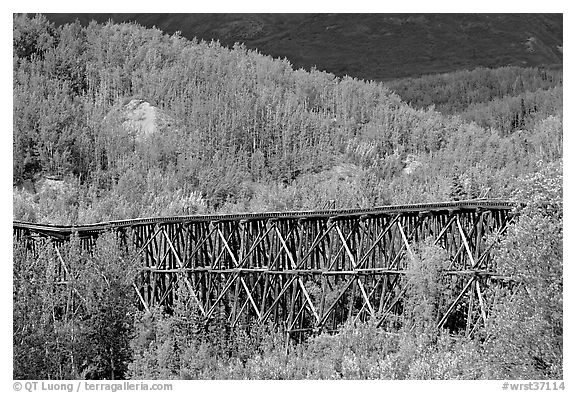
column 372, row 46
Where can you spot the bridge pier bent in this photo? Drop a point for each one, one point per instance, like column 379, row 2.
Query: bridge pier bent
column 309, row 271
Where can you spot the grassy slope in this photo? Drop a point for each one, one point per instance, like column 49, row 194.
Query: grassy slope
column 373, row 46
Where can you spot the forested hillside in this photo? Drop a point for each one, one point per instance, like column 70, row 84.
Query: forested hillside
column 246, row 132
column 115, row 121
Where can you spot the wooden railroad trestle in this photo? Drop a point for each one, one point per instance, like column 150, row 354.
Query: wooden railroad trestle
column 307, row 270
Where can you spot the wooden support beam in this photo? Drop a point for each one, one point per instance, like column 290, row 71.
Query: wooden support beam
column 186, row 280
column 304, row 291
column 226, row 245
column 381, row 281
column 331, row 307
column 353, row 263
column 198, row 247
column 481, row 302
column 405, row 243
column 379, row 239
column 465, row 242
column 141, row 298
column 405, row 240
column 469, row 316
column 239, row 313
column 68, row 273
column 389, row 309
column 454, row 303
column 486, row 252
column 317, row 241
column 145, row 246
column 365, row 296
column 445, row 229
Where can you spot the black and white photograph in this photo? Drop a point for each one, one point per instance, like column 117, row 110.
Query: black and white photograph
column 287, row 196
